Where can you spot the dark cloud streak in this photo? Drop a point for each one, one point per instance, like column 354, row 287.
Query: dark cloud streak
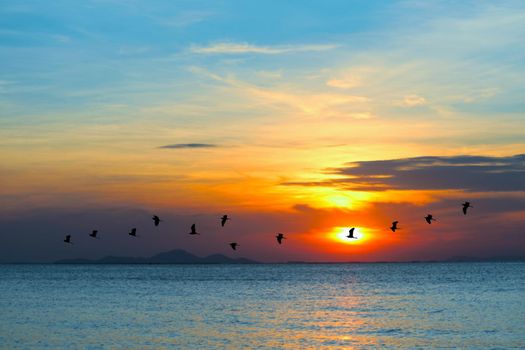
column 469, row 173
column 188, row 145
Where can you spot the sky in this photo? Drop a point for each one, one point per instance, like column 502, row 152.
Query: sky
column 301, row 117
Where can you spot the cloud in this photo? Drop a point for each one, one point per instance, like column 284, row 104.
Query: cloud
column 189, row 145
column 468, row 173
column 244, row 48
column 413, row 100
column 308, row 103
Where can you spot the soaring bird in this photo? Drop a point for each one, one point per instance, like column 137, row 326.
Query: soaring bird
column 224, row 218
column 280, row 238
column 133, row 232
column 193, row 232
column 93, row 234
column 394, row 226
column 351, row 233
column 429, row 218
column 68, row 239
column 234, row 245
column 156, row 220
column 466, row 205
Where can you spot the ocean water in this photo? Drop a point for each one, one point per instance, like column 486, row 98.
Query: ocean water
column 318, row 306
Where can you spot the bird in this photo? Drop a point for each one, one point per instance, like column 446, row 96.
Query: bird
column 429, row 218
column 394, row 226
column 133, row 232
column 156, row 220
column 280, row 238
column 351, row 233
column 193, row 232
column 68, row 239
column 466, row 205
column 224, row 218
column 93, row 234
column 234, row 245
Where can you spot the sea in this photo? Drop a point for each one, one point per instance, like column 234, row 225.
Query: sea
column 263, row 306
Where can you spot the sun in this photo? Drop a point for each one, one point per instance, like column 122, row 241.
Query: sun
column 340, row 234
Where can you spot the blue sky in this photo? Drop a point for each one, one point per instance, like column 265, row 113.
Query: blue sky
column 67, row 54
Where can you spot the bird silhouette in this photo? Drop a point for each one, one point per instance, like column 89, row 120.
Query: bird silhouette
column 351, row 233
column 68, row 239
column 193, row 232
column 234, row 245
column 224, row 218
column 280, row 238
column 156, row 220
column 394, row 226
column 93, row 234
column 466, row 205
column 429, row 218
column 133, row 232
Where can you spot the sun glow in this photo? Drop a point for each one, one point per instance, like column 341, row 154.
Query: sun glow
column 340, row 234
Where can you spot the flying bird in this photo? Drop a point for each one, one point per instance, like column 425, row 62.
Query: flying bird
column 93, row 234
column 280, row 238
column 351, row 233
column 224, row 218
column 429, row 218
column 156, row 220
column 394, row 226
column 68, row 239
column 133, row 232
column 193, row 232
column 466, row 205
column 234, row 245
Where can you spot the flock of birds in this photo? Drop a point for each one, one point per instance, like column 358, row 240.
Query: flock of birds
column 429, row 218
column 156, row 221
column 279, row 237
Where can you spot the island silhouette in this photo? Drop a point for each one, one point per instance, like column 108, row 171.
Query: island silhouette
column 176, row 256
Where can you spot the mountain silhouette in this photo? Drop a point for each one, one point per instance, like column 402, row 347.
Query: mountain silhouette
column 177, row 256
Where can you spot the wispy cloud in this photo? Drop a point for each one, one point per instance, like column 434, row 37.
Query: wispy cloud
column 413, row 101
column 244, row 48
column 309, row 103
column 188, row 145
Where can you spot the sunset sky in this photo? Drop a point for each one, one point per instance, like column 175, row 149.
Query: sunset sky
column 305, row 118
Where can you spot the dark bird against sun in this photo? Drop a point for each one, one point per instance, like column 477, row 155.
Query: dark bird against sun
column 224, row 218
column 466, row 205
column 156, row 220
column 193, row 231
column 429, row 218
column 394, row 226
